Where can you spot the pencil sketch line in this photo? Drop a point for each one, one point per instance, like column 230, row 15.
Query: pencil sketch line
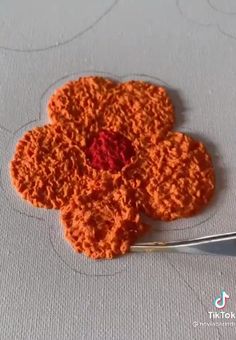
column 90, row 27
column 188, row 285
column 216, row 25
column 219, row 10
column 75, row 270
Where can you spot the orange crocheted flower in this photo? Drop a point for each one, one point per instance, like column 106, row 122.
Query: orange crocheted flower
column 108, row 155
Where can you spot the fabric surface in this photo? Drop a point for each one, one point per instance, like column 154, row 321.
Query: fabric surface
column 47, row 292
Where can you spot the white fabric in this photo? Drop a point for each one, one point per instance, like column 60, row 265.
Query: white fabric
column 49, row 292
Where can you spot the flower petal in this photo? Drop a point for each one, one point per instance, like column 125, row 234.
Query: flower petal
column 47, row 163
column 141, row 111
column 104, row 222
column 78, row 100
column 174, row 178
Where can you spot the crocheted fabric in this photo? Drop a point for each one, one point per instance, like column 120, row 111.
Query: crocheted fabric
column 108, row 155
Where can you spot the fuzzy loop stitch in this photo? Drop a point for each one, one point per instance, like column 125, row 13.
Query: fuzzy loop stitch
column 108, row 154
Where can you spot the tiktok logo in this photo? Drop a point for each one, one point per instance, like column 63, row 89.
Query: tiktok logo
column 220, row 301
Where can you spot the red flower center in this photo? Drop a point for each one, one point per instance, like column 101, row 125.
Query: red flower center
column 109, row 151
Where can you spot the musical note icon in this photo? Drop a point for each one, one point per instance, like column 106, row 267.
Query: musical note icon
column 220, row 301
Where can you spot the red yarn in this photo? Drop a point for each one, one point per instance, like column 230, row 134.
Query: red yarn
column 109, row 151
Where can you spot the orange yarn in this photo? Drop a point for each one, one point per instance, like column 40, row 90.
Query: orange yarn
column 169, row 175
column 172, row 179
column 47, row 165
column 104, row 222
column 141, row 111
